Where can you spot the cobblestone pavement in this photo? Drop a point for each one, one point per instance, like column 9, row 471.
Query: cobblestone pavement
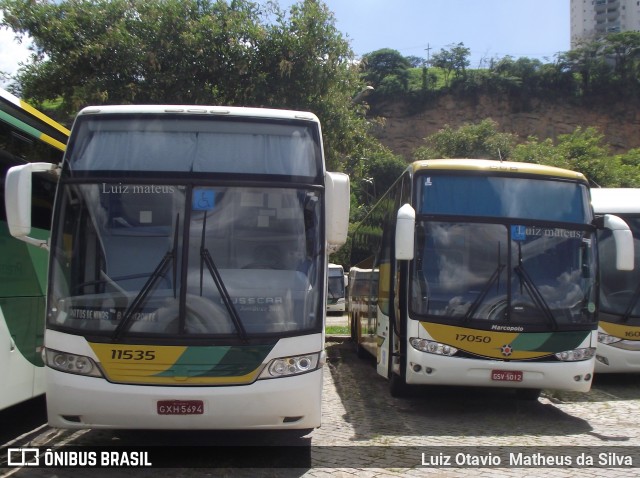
column 359, row 412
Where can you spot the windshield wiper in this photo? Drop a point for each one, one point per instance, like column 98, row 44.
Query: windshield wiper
column 632, row 303
column 155, row 276
column 485, row 290
column 206, row 258
column 532, row 289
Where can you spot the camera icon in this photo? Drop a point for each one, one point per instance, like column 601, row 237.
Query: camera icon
column 23, row 457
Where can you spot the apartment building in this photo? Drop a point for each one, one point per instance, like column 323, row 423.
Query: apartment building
column 593, row 18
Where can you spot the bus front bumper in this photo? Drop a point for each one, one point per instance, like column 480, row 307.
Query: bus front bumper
column 616, row 360
column 431, row 369
column 75, row 401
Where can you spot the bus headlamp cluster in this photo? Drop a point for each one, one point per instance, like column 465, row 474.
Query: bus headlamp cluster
column 294, row 365
column 71, row 363
column 607, row 339
column 431, row 347
column 576, row 355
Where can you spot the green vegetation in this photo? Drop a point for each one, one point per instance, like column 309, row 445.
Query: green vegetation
column 337, row 330
column 604, row 68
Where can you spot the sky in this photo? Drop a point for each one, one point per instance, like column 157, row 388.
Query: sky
column 489, row 28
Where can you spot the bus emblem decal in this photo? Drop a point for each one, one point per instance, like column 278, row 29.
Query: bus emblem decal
column 506, row 350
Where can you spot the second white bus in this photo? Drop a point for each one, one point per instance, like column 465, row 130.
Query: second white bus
column 487, row 277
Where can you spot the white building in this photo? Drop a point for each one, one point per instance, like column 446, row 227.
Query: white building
column 593, row 18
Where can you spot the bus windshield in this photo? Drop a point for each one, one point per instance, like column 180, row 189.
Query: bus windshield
column 335, row 284
column 490, row 255
column 198, row 145
column 496, row 196
column 619, row 290
column 229, row 261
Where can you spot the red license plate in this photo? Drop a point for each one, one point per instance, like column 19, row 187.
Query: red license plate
column 180, row 407
column 506, row 375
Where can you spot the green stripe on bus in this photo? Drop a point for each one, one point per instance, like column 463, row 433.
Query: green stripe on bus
column 31, row 131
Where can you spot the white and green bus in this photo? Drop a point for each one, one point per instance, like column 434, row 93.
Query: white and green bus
column 187, row 273
column 25, row 135
column 486, row 276
column 619, row 321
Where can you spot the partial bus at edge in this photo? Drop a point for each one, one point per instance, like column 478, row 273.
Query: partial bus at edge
column 336, row 288
column 618, row 348
column 187, row 271
column 26, row 135
column 486, row 276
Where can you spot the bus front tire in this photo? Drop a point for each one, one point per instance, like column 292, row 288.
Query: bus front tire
column 398, row 388
column 528, row 393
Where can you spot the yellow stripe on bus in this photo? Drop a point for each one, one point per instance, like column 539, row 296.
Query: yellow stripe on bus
column 53, row 142
column 622, row 331
column 41, row 116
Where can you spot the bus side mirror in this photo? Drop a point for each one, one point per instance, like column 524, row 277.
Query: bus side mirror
column 17, row 197
column 405, row 232
column 623, row 239
column 337, row 201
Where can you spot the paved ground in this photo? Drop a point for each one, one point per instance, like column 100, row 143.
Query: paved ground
column 436, row 425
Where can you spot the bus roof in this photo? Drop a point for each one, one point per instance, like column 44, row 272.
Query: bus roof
column 197, row 110
column 493, row 166
column 615, row 200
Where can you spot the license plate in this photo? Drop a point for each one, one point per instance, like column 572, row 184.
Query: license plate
column 180, row 407
column 506, row 375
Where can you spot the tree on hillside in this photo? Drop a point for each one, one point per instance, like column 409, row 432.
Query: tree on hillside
column 624, row 48
column 195, row 52
column 387, row 70
column 478, row 141
column 629, row 169
column 583, row 150
column 454, row 60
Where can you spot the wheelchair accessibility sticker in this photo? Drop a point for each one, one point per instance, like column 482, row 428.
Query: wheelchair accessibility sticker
column 203, row 199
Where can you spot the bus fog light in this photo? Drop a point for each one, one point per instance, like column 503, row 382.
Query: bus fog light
column 432, row 347
column 71, row 363
column 587, row 377
column 576, row 355
column 602, row 359
column 294, row 365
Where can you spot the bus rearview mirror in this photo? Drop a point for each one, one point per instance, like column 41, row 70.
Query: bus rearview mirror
column 405, row 232
column 17, row 194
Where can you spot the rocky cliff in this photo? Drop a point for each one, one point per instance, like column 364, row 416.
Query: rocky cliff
column 404, row 127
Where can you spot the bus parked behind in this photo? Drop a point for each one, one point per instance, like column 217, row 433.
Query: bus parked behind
column 26, row 135
column 618, row 347
column 487, row 276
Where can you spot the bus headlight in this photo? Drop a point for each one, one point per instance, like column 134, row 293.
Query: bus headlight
column 576, row 355
column 71, row 363
column 294, row 365
column 607, row 339
column 431, row 347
